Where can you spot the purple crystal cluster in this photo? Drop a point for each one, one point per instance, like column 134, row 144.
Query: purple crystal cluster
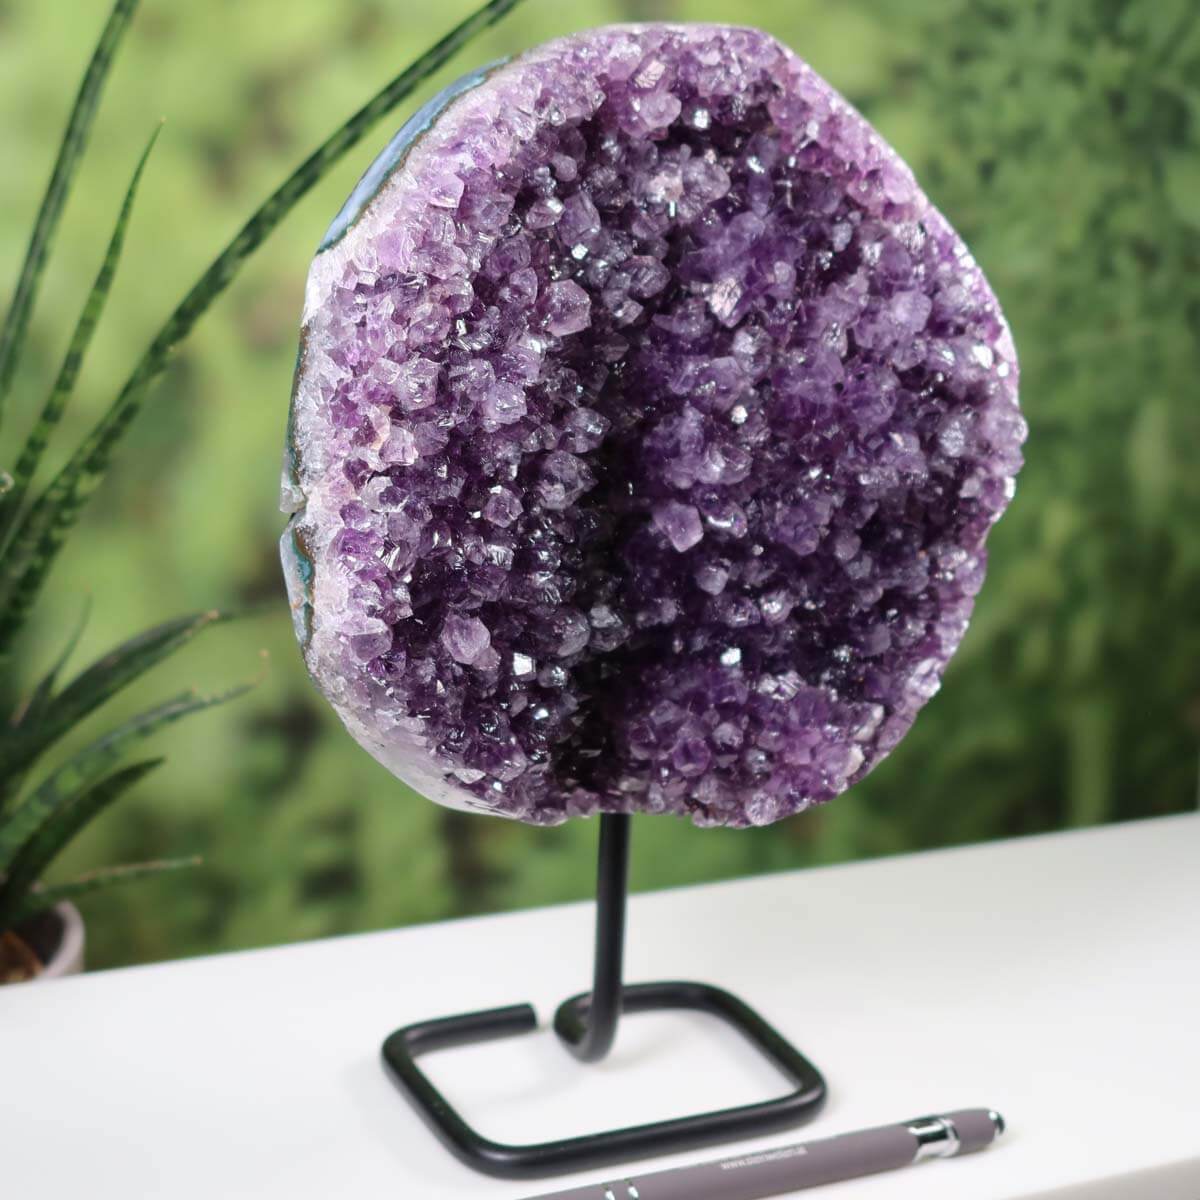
column 648, row 428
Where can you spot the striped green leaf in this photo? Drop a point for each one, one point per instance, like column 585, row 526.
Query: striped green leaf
column 90, row 765
column 59, row 714
column 44, row 528
column 33, row 711
column 75, row 137
column 38, row 901
column 64, row 384
column 58, row 830
column 28, row 716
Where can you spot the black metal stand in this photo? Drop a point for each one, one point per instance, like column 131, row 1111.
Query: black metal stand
column 587, row 1025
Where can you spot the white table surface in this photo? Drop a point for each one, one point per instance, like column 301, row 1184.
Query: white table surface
column 1054, row 978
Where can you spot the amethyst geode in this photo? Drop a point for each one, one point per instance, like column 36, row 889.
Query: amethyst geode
column 648, row 427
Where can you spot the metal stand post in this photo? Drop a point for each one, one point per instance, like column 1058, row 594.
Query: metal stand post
column 587, row 1026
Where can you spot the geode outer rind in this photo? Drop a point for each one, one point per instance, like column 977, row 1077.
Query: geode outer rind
column 647, row 431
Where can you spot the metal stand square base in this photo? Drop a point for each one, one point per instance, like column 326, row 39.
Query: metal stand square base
column 587, row 1024
column 534, row 1160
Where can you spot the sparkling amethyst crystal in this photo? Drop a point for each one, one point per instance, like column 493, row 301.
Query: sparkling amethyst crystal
column 648, row 427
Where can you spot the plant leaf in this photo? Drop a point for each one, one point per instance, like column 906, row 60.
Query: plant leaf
column 58, row 829
column 44, row 528
column 119, row 667
column 74, row 141
column 95, row 685
column 37, row 901
column 64, row 385
column 90, row 765
column 41, row 694
column 28, row 716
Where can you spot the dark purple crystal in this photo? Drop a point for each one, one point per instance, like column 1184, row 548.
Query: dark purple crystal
column 647, row 432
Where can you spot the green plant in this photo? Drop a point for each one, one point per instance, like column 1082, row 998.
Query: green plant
column 38, row 821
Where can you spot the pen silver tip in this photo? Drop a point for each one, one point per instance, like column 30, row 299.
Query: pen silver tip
column 997, row 1120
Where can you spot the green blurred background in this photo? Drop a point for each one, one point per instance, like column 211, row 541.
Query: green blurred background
column 1061, row 138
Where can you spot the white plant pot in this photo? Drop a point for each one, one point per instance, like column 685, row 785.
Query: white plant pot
column 57, row 937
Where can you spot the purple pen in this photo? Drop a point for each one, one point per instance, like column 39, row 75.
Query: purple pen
column 777, row 1172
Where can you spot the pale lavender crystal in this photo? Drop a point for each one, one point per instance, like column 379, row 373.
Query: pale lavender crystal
column 648, row 428
column 465, row 638
column 680, row 523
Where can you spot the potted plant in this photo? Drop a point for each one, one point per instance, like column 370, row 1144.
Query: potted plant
column 40, row 931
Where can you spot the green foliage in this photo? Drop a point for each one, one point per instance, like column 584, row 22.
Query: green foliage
column 46, row 836
column 36, row 902
column 56, row 403
column 43, row 529
column 50, row 717
column 34, row 830
column 1060, row 130
column 16, row 321
column 1061, row 139
column 73, row 781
